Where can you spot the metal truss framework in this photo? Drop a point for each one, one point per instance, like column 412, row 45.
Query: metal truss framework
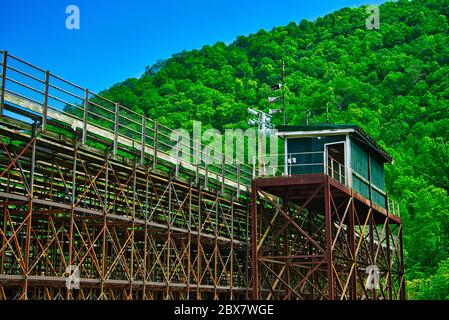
column 316, row 239
column 132, row 232
column 136, row 233
column 138, row 225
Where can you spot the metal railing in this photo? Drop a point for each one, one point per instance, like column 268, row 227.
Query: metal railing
column 45, row 96
column 336, row 170
column 393, row 207
column 304, row 163
column 84, row 110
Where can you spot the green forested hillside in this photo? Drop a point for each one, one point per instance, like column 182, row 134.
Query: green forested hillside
column 394, row 82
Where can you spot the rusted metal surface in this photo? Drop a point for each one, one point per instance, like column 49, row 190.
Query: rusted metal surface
column 140, row 226
column 133, row 233
column 332, row 237
column 33, row 92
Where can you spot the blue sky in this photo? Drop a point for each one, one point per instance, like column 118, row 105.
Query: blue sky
column 117, row 40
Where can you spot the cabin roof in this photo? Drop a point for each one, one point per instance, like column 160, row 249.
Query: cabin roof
column 334, row 129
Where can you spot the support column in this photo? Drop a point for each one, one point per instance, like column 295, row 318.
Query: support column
column 133, row 228
column 198, row 247
column 389, row 271
column 29, row 218
column 145, row 246
column 328, row 223
column 286, row 252
column 2, row 92
column 255, row 265
column 402, row 293
column 72, row 211
column 104, row 230
column 372, row 251
column 352, row 248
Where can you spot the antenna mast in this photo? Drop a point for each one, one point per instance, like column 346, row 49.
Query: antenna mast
column 283, row 91
column 276, row 87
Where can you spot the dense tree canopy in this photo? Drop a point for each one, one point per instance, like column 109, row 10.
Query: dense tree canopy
column 393, row 82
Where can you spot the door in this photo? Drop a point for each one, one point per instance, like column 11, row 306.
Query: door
column 335, row 161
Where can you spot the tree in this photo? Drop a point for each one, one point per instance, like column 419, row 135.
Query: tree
column 393, row 82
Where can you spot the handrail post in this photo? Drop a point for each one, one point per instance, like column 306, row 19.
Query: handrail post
column 206, row 168
column 332, row 167
column 178, row 142
column 142, row 143
column 155, row 143
column 347, row 177
column 116, row 121
column 197, row 174
column 339, row 172
column 2, row 93
column 85, row 114
column 254, row 167
column 223, row 172
column 238, row 179
column 45, row 104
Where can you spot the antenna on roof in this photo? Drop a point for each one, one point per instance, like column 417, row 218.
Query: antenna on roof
column 283, row 92
column 308, row 113
column 280, row 86
column 328, row 120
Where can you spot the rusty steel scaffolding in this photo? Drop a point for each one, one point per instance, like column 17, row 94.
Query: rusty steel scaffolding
column 317, row 239
column 133, row 233
column 91, row 185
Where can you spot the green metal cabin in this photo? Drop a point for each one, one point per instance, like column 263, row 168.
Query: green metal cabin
column 345, row 152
